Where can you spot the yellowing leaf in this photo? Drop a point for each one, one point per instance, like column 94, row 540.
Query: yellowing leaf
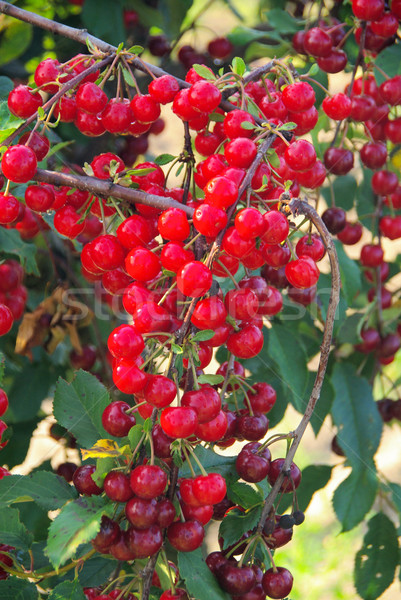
column 396, row 159
column 101, row 449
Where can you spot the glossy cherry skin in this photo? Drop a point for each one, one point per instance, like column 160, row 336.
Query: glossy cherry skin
column 19, row 163
column 83, row 481
column 252, row 467
column 185, row 536
column 206, row 402
column 141, row 513
column 148, row 481
column 115, row 419
column 179, row 421
column 194, row 279
column 209, row 489
column 277, row 583
column 302, row 273
column 234, row 579
column 117, row 486
column 108, row 534
column 145, row 542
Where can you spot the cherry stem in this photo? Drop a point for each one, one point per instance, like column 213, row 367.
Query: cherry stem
column 196, row 459
column 184, row 449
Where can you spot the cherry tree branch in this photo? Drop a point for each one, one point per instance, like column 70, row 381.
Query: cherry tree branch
column 296, row 207
column 105, row 189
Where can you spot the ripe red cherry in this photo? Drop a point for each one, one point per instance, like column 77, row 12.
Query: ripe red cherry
column 47, row 72
column 6, row 319
column 372, row 255
column 209, row 220
column 68, row 222
column 335, row 219
column 302, row 273
column 351, row 234
column 205, row 402
column 277, row 582
column 142, row 264
column 19, row 163
column 23, row 101
column 9, row 209
column 194, row 279
column 368, row 10
column 252, row 427
column 220, row 48
column 262, row 398
column 128, row 378
column 145, row 108
column 240, row 152
column 246, row 343
column 115, row 419
column 299, row 96
column 337, row 107
column 276, row 227
column 148, row 481
column 173, row 225
column 3, row 398
column 125, row 342
column 82, row 479
column 204, row 96
column 250, row 465
column 90, row 98
column 209, row 489
column 289, row 483
column 164, row 89
column 145, row 542
column 39, row 198
column 338, row 161
column 311, row 246
column 384, row 182
column 141, row 513
column 233, row 124
column 179, row 421
column 334, row 62
column 108, row 534
column 373, row 155
column 185, row 536
column 173, row 256
column 159, row 391
column 249, row 223
column 213, row 430
column 300, row 155
column 117, row 116
column 221, row 192
column 234, row 579
column 317, row 42
column 107, row 252
column 117, row 486
column 390, row 227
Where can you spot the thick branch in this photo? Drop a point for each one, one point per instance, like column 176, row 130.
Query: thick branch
column 297, row 206
column 104, row 189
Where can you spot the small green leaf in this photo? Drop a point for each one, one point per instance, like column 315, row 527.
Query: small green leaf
column 77, row 523
column 216, row 117
column 12, row 531
column 354, row 497
column 199, row 581
column 211, row 461
column 238, row 66
column 247, row 125
column 203, row 336
column 314, row 478
column 57, row 147
column 376, row 561
column 103, row 467
column 244, row 494
column 204, row 72
column 176, row 348
column 211, row 379
column 134, row 435
column 135, row 49
column 313, row 70
column 41, row 113
column 78, row 406
column 47, row 489
column 287, row 126
column 236, row 523
column 128, row 78
column 147, row 426
column 71, row 590
column 11, row 243
column 164, row 159
column 18, row 589
column 6, row 85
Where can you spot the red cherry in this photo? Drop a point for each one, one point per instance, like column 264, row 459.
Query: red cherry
column 277, row 582
column 204, row 96
column 164, row 89
column 173, row 225
column 117, row 486
column 246, row 343
column 276, row 227
column 115, row 419
column 317, row 42
column 372, row 255
column 23, row 101
column 368, row 10
column 90, row 98
column 299, row 96
column 19, row 163
column 6, row 319
column 159, row 391
column 240, row 152
column 9, row 209
column 148, row 481
column 220, row 48
column 178, row 421
column 142, row 264
column 68, row 222
column 337, row 107
column 311, row 245
column 194, row 279
column 128, row 378
column 82, row 479
column 185, row 536
column 302, row 272
column 289, row 483
column 213, row 430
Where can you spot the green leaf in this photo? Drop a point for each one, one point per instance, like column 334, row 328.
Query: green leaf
column 134, row 435
column 204, row 71
column 211, row 461
column 173, row 13
column 356, row 416
column 354, row 497
column 376, row 561
column 104, row 23
column 238, row 66
column 47, row 489
column 344, row 190
column 77, row 523
column 2, row 367
column 314, row 478
column 291, row 360
column 210, row 379
column 30, row 388
column 396, row 495
column 199, row 581
column 247, row 125
column 57, row 147
column 389, row 60
column 12, row 531
column 236, row 523
column 68, row 590
column 281, row 20
column 78, row 406
column 349, row 332
column 365, row 198
column 244, row 494
column 203, row 336
column 176, row 348
column 103, row 467
column 15, row 39
column 18, row 589
column 240, row 35
column 350, row 274
column 128, row 78
column 6, row 85
column 136, row 49
column 287, row 126
column 164, row 159
column 11, row 243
